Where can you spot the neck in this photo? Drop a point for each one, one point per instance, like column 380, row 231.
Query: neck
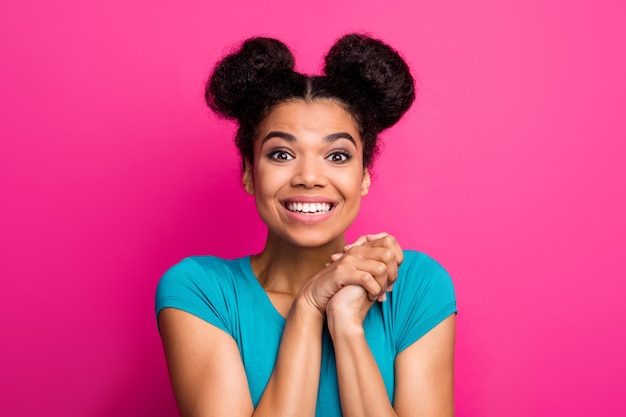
column 285, row 268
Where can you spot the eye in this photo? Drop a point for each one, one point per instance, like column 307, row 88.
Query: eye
column 280, row 155
column 339, row 157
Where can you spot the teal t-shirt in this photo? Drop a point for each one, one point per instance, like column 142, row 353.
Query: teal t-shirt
column 226, row 294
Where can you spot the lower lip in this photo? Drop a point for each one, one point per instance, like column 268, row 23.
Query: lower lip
column 308, row 218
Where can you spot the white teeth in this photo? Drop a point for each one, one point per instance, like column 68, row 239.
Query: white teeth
column 313, row 208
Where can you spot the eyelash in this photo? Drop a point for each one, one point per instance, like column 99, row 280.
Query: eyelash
column 274, row 155
column 345, row 155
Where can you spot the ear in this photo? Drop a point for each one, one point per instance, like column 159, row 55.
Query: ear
column 247, row 178
column 365, row 184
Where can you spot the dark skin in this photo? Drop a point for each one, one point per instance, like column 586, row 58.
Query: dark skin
column 311, row 275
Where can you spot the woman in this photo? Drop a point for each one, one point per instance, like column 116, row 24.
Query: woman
column 310, row 326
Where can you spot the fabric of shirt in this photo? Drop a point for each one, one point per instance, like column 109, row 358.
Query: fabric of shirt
column 226, row 294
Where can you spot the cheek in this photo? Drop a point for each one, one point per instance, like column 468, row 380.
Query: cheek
column 351, row 184
column 268, row 181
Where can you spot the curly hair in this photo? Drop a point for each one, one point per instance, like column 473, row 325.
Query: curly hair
column 366, row 76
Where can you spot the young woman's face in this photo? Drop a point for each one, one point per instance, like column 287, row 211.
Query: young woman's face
column 308, row 175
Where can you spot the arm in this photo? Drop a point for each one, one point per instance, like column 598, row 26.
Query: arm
column 204, row 362
column 207, row 374
column 361, row 387
column 424, row 371
column 425, row 374
column 205, row 369
column 205, row 366
column 362, row 390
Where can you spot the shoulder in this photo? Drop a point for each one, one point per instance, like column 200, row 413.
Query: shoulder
column 422, row 297
column 206, row 263
column 202, row 285
column 201, row 269
column 422, row 267
column 423, row 281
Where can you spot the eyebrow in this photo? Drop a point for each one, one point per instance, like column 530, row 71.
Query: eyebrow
column 291, row 138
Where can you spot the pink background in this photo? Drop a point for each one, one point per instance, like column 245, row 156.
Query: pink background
column 509, row 170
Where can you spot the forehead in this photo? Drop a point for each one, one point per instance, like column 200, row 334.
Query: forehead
column 320, row 117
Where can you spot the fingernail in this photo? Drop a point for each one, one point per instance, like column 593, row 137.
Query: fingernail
column 377, row 235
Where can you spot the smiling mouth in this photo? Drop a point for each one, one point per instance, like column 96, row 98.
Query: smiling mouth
column 309, row 208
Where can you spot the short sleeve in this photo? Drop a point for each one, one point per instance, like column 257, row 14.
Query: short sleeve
column 189, row 287
column 423, row 296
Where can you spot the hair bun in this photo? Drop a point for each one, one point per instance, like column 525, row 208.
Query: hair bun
column 238, row 76
column 374, row 72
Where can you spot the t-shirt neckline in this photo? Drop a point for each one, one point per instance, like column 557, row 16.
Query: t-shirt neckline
column 263, row 300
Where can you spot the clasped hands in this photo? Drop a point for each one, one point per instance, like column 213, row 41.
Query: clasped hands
column 355, row 279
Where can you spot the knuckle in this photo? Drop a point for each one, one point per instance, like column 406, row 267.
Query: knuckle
column 341, row 268
column 388, row 255
column 347, row 259
column 365, row 276
column 380, row 269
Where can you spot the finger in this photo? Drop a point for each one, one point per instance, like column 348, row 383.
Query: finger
column 369, row 283
column 383, row 255
column 385, row 273
column 364, row 239
column 366, row 272
column 388, row 241
column 335, row 256
column 361, row 240
column 376, row 236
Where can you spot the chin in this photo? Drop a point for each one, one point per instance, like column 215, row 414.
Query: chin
column 313, row 240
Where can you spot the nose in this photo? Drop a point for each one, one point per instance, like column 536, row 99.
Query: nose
column 309, row 173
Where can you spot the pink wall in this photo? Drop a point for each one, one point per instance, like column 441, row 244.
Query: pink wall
column 510, row 170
